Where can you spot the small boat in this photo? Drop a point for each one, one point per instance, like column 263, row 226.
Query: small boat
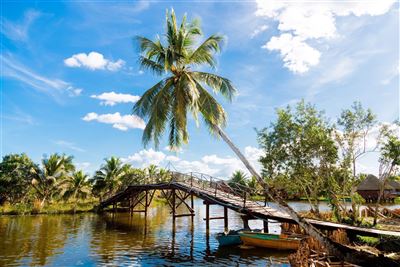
column 281, row 242
column 231, row 238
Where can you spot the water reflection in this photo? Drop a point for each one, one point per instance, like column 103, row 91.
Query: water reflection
column 121, row 239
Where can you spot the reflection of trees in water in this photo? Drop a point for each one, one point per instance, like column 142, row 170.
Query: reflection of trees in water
column 250, row 256
column 119, row 234
column 37, row 237
column 39, row 240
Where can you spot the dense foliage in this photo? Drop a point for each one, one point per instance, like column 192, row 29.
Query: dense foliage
column 56, row 180
column 305, row 155
column 15, row 177
column 300, row 152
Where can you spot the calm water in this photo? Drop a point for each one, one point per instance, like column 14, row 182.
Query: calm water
column 122, row 240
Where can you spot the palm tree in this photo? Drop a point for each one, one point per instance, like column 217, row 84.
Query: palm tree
column 107, row 180
column 53, row 170
column 163, row 176
column 238, row 177
column 182, row 89
column 152, row 171
column 76, row 186
column 132, row 176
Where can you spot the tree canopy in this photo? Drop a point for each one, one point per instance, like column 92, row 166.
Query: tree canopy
column 182, row 89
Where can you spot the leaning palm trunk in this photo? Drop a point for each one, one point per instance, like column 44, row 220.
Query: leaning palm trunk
column 340, row 251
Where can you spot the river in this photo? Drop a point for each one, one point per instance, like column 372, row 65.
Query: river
column 121, row 240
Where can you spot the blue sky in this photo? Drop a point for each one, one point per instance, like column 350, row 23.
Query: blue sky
column 69, row 73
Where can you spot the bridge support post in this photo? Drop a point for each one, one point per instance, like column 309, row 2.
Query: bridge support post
column 265, row 223
column 173, row 204
column 207, row 217
column 191, row 202
column 245, row 220
column 146, row 203
column 192, row 206
column 226, row 219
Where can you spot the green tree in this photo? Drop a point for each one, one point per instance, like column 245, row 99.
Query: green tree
column 132, row 176
column 76, row 186
column 47, row 177
column 355, row 124
column 108, row 179
column 238, row 181
column 238, row 177
column 389, row 162
column 163, row 176
column 299, row 148
column 182, row 89
column 152, row 171
column 15, row 177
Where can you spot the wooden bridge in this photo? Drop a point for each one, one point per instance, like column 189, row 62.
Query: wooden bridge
column 213, row 191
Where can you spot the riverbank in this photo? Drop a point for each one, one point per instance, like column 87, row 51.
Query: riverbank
column 57, row 207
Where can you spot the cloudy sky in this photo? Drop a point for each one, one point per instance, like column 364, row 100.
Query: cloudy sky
column 69, row 73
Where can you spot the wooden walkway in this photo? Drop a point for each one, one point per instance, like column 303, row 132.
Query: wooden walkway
column 217, row 192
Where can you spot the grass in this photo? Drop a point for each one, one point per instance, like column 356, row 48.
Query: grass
column 367, row 240
column 55, row 207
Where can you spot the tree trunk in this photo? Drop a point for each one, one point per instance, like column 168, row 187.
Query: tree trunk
column 75, row 203
column 381, row 191
column 335, row 249
column 42, row 202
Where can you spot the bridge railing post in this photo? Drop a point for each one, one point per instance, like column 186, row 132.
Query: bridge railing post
column 244, row 198
column 191, row 179
column 216, row 184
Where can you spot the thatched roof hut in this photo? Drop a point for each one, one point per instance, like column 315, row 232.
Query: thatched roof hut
column 370, row 187
column 395, row 185
column 372, row 182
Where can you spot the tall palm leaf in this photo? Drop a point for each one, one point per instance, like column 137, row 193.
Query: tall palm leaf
column 76, row 186
column 53, row 170
column 182, row 89
column 107, row 179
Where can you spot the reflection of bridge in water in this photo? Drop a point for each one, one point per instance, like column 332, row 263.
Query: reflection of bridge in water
column 213, row 191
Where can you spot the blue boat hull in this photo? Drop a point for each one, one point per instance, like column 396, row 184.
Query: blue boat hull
column 228, row 240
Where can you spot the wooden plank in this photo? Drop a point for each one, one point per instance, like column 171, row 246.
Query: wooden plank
column 214, row 218
column 184, row 215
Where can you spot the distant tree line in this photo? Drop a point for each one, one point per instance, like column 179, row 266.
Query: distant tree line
column 57, row 179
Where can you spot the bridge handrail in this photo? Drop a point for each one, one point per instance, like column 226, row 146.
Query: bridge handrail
column 220, row 186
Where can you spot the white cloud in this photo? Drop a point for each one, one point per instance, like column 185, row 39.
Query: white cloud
column 336, row 73
column 297, row 55
column 112, row 98
column 93, row 61
column 13, row 69
column 83, row 166
column 69, row 145
column 209, row 164
column 258, row 30
column 172, row 158
column 146, row 157
column 119, row 122
column 19, row 31
column 301, row 22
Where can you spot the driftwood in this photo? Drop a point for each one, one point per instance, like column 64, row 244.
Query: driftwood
column 313, row 253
